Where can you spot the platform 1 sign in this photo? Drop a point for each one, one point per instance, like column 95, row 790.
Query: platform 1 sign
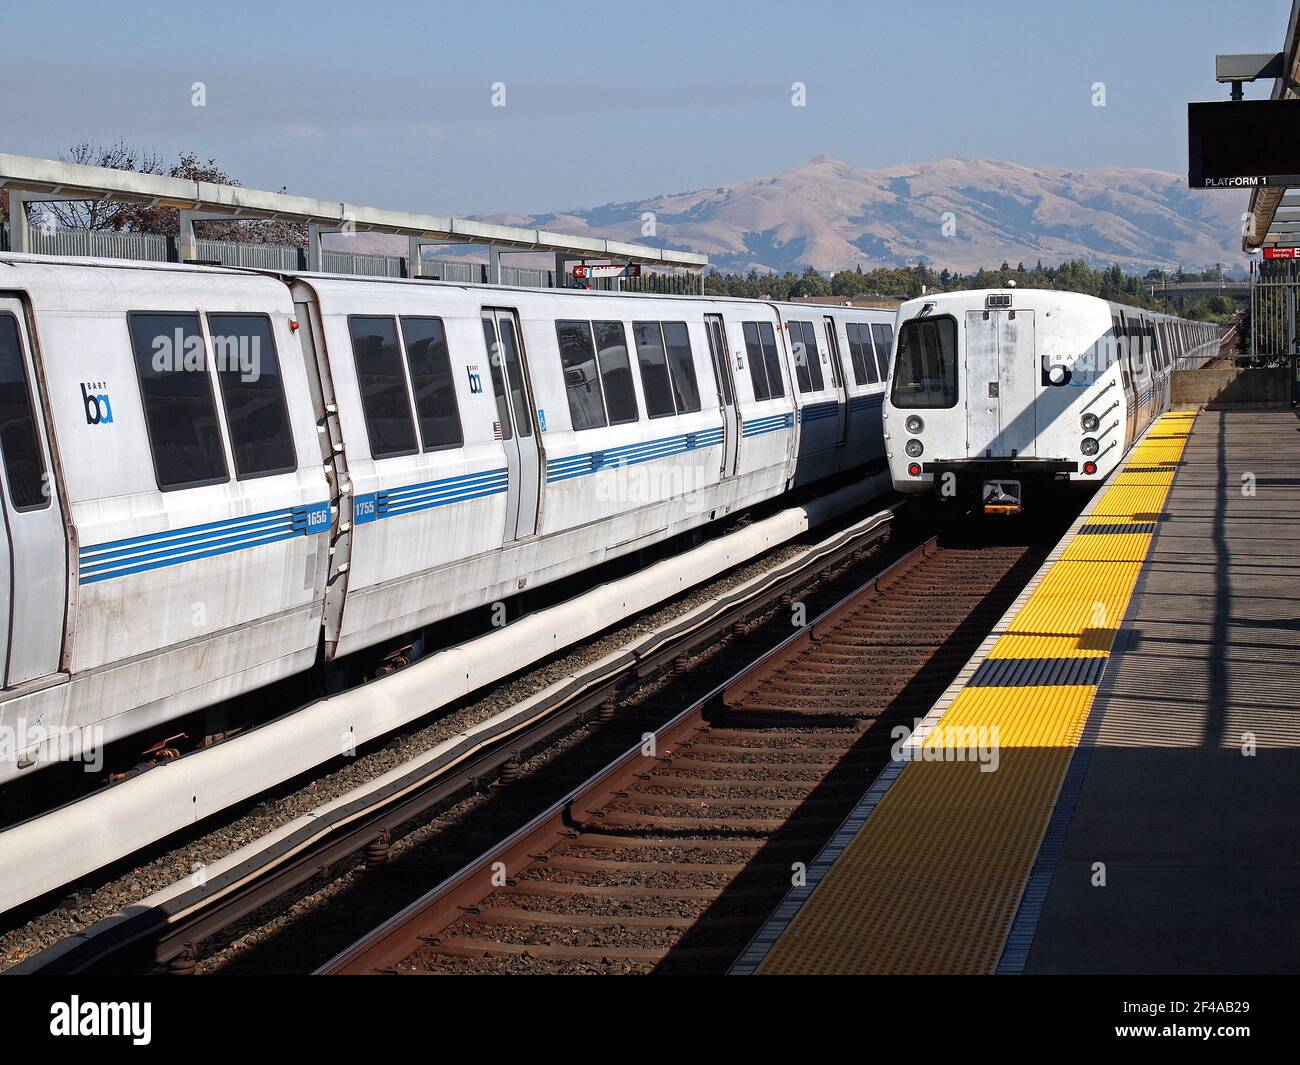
column 582, row 272
column 1282, row 253
column 1243, row 144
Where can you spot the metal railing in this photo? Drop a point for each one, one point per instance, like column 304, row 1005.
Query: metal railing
column 153, row 247
column 106, row 244
column 250, row 256
column 1273, row 289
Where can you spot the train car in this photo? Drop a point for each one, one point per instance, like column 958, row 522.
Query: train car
column 995, row 394
column 215, row 479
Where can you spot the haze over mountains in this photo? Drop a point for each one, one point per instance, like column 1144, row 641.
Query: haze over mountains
column 829, row 215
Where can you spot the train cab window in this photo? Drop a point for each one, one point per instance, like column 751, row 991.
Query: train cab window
column 656, row 381
column 581, row 374
column 616, row 372
column 926, row 371
column 252, row 391
column 771, row 360
column 429, row 363
column 807, row 359
column 681, row 365
column 757, row 368
column 883, row 335
column 384, row 397
column 19, row 439
column 180, row 411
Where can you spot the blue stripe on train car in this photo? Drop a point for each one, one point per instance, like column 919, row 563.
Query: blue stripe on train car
column 411, row 498
column 818, row 411
column 773, row 423
column 571, row 466
column 867, row 402
column 136, row 554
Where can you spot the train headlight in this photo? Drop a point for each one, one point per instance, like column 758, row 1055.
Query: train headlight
column 1089, row 446
column 1089, row 423
column 914, row 449
column 914, row 423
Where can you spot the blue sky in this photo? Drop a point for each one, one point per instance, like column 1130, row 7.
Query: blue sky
column 389, row 104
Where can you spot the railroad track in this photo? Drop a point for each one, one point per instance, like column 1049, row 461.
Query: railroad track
column 669, row 859
column 171, row 934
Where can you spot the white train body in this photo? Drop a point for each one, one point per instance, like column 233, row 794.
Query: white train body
column 1017, row 386
column 180, row 530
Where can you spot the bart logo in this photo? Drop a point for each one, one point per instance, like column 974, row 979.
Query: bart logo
column 98, row 410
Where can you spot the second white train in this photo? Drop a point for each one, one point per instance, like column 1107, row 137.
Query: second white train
column 993, row 394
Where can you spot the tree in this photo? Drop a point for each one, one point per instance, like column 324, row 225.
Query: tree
column 142, row 218
column 98, row 214
column 811, row 284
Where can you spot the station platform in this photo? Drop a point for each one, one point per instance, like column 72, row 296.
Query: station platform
column 1110, row 784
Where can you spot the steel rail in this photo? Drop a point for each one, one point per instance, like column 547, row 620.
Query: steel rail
column 459, row 895
column 169, row 933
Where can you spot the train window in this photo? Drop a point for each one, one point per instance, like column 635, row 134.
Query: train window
column 385, row 400
column 807, row 359
column 429, row 363
column 616, row 372
column 719, row 354
column 926, row 371
column 515, row 376
column 681, row 364
column 503, row 422
column 855, row 353
column 1124, row 344
column 656, row 381
column 581, row 374
column 21, row 443
column 883, row 335
column 252, row 391
column 864, row 360
column 180, row 412
column 771, row 359
column 757, row 369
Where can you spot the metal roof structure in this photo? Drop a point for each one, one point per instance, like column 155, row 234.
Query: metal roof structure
column 1275, row 209
column 32, row 179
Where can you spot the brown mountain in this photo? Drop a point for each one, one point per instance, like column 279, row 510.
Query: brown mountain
column 832, row 216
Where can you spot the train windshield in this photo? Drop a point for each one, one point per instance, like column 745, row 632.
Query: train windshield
column 925, row 373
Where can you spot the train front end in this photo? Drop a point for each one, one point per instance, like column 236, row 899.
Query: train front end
column 996, row 396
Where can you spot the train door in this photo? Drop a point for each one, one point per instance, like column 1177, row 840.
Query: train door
column 718, row 349
column 837, row 375
column 508, row 370
column 33, row 553
column 1001, row 383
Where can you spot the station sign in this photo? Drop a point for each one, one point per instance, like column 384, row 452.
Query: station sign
column 1282, row 253
column 583, row 272
column 1243, row 144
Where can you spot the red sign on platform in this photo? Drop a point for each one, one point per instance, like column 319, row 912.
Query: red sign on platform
column 582, row 272
column 1282, row 253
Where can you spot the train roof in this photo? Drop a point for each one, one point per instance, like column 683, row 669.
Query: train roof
column 977, row 297
column 68, row 261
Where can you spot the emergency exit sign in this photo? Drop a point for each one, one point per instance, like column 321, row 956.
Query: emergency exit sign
column 1282, row 253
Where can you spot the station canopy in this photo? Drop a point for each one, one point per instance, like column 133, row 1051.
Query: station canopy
column 39, row 179
column 1275, row 209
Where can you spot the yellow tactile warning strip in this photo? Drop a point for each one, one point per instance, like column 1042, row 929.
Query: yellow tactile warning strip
column 929, row 870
